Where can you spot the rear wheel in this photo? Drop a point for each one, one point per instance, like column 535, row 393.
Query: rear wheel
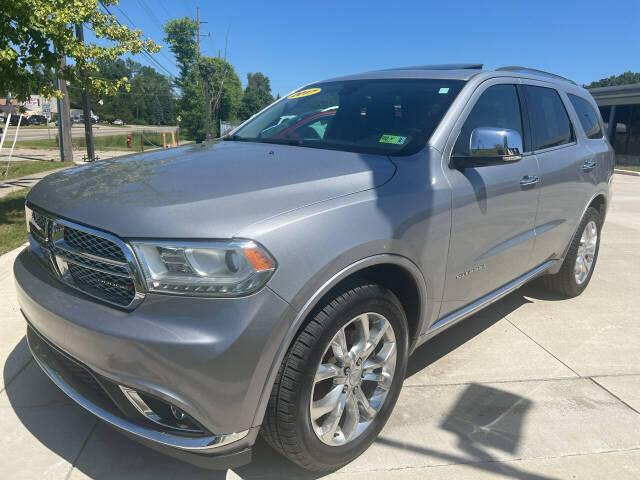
column 340, row 379
column 578, row 265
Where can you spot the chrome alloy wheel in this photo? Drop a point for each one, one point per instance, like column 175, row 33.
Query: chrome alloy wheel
column 586, row 252
column 353, row 379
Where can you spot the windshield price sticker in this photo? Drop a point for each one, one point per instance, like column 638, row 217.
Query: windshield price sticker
column 393, row 139
column 305, row 93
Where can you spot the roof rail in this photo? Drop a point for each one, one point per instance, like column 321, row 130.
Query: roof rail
column 533, row 70
column 445, row 66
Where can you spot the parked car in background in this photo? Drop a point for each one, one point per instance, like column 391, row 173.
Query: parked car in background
column 276, row 282
column 15, row 118
column 37, row 120
column 117, row 121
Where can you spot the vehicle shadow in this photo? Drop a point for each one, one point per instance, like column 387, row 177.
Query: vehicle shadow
column 484, row 419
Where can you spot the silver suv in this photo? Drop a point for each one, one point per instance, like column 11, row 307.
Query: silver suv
column 276, row 282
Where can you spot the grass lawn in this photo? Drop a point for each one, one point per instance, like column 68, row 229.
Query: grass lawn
column 635, row 168
column 102, row 142
column 27, row 167
column 12, row 228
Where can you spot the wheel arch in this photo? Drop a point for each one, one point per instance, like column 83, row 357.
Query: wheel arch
column 395, row 272
column 600, row 202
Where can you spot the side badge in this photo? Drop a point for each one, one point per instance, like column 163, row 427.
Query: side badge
column 466, row 273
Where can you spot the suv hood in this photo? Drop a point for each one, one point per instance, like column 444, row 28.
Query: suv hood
column 205, row 190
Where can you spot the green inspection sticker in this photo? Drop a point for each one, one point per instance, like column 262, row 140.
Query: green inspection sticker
column 443, row 90
column 393, row 139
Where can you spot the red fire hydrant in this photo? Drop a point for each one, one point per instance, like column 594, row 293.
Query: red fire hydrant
column 128, row 140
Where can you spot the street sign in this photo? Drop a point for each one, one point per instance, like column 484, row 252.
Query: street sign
column 46, row 108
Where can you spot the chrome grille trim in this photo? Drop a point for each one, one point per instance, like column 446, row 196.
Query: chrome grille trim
column 113, row 278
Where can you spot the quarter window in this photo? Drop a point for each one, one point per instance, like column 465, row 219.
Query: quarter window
column 587, row 116
column 497, row 107
column 550, row 125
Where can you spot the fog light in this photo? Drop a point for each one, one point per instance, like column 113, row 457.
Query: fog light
column 177, row 413
column 161, row 412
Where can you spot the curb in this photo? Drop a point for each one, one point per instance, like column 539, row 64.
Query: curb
column 626, row 172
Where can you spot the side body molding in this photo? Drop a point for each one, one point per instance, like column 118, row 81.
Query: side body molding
column 301, row 315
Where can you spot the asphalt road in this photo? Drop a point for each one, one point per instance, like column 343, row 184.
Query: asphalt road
column 78, row 131
column 533, row 387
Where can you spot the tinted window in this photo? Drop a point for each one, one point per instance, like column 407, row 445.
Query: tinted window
column 587, row 116
column 622, row 128
column 550, row 125
column 497, row 107
column 633, row 146
column 394, row 117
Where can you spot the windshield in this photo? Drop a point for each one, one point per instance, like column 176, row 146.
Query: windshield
column 394, row 117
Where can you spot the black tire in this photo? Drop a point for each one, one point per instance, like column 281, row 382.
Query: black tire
column 287, row 425
column 564, row 282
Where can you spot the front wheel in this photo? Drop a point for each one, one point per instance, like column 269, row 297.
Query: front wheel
column 340, row 379
column 578, row 265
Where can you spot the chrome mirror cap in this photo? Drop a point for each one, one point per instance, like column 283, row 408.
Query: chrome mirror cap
column 492, row 142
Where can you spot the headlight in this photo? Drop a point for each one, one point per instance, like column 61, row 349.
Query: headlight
column 211, row 269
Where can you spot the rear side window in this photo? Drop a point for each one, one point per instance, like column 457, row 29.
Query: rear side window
column 497, row 107
column 587, row 116
column 550, row 125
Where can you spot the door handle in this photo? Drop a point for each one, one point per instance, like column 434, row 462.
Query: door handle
column 588, row 166
column 528, row 180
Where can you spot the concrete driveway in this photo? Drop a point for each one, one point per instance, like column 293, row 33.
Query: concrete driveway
column 534, row 387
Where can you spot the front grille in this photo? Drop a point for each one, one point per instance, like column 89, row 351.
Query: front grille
column 93, row 262
column 39, row 220
column 116, row 289
column 90, row 262
column 92, row 244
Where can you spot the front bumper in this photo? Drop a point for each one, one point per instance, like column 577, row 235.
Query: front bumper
column 208, row 357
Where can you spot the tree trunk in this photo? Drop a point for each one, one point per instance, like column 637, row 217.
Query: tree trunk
column 64, row 117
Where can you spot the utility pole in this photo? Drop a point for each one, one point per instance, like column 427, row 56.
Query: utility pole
column 64, row 115
column 206, row 89
column 86, row 106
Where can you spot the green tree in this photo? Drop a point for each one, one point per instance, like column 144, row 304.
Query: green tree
column 257, row 94
column 225, row 89
column 181, row 37
column 152, row 95
column 196, row 73
column 38, row 32
column 148, row 101
column 623, row 79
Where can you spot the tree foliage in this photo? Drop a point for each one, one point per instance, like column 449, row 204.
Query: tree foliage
column 181, row 37
column 257, row 95
column 623, row 79
column 36, row 32
column 198, row 73
column 149, row 100
column 224, row 88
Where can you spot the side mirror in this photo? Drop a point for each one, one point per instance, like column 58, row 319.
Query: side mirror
column 491, row 146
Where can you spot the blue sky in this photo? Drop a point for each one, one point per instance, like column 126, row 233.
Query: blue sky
column 299, row 42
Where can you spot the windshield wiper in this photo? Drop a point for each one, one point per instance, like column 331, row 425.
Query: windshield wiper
column 236, row 138
column 281, row 141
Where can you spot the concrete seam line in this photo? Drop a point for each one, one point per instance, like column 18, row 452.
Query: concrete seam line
column 499, row 382
column 613, row 394
column 534, row 341
column 6, row 385
column 471, row 463
column 627, row 172
column 84, row 444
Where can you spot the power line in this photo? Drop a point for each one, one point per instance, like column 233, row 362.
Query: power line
column 151, row 14
column 145, row 51
column 148, row 54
